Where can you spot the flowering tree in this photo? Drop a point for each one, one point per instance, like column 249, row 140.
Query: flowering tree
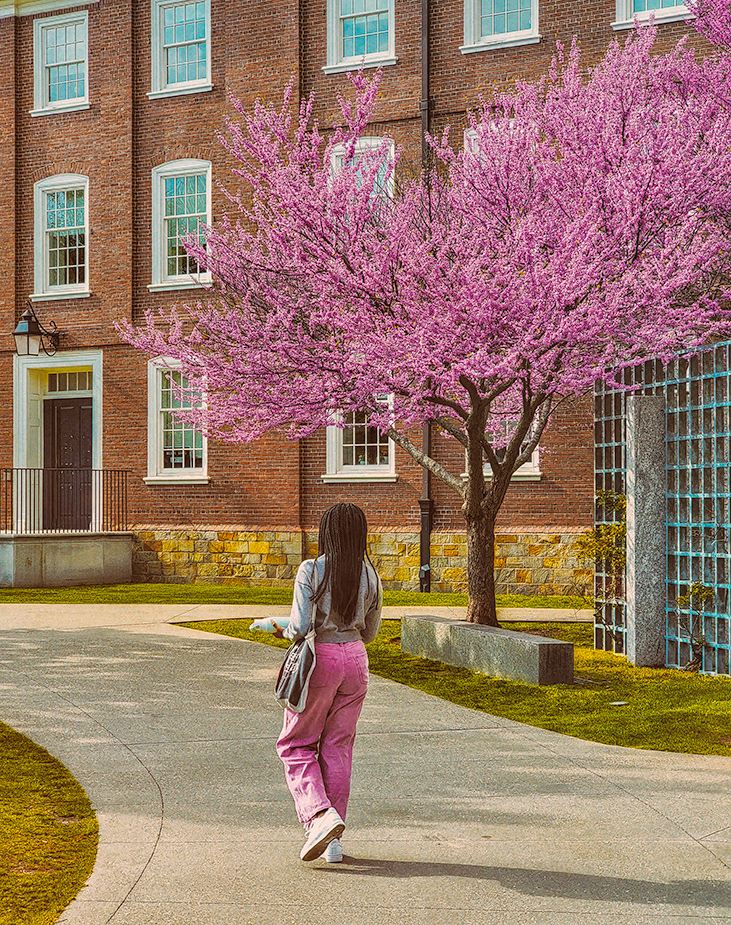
column 713, row 19
column 578, row 232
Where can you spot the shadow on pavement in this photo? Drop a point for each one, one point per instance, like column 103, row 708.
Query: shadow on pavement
column 551, row 883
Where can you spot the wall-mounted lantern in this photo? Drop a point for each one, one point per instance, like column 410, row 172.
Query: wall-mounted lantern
column 31, row 337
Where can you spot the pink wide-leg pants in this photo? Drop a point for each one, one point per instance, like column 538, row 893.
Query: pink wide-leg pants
column 316, row 746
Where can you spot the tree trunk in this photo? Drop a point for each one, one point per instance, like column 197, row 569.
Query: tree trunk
column 481, row 569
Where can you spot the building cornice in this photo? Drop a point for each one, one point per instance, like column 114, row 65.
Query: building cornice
column 29, row 7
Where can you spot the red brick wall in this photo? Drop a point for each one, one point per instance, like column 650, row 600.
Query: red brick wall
column 257, row 48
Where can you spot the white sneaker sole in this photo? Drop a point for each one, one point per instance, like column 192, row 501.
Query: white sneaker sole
column 316, row 849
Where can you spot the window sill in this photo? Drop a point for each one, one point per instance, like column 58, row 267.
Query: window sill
column 356, row 64
column 501, row 43
column 176, row 480
column 54, row 296
column 179, row 91
column 532, row 475
column 171, row 286
column 676, row 15
column 359, row 477
column 55, row 110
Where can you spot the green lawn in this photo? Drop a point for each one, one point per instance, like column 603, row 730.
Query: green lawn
column 48, row 833
column 246, row 594
column 610, row 702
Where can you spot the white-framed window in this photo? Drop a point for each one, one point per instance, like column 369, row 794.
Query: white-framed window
column 181, row 205
column 529, row 472
column 499, row 24
column 359, row 452
column 180, row 42
column 61, row 234
column 360, row 33
column 60, row 63
column 176, row 450
column 660, row 10
column 383, row 184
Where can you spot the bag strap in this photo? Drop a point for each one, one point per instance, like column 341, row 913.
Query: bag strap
column 313, row 612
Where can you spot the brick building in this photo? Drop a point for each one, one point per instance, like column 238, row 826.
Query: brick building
column 108, row 154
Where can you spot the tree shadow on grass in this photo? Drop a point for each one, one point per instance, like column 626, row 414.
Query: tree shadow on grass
column 556, row 884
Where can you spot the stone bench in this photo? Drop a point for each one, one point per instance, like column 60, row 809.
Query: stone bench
column 490, row 650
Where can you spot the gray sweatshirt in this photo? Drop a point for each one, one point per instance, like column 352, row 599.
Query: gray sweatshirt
column 367, row 613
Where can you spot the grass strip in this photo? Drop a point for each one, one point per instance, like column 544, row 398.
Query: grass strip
column 250, row 594
column 48, row 833
column 610, row 701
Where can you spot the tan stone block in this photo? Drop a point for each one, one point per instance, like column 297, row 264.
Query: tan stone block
column 259, row 546
column 208, row 569
column 453, row 574
column 186, row 546
column 272, row 559
column 236, row 547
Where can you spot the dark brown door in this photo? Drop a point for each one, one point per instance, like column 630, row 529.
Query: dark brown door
column 67, row 464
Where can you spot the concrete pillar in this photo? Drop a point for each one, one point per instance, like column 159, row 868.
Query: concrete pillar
column 645, row 573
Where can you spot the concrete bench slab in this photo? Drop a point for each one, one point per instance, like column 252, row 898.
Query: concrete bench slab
column 490, row 650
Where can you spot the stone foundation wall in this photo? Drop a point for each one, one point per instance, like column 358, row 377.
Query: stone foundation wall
column 526, row 562
column 216, row 556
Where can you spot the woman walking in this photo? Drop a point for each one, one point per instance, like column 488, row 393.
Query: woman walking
column 316, row 746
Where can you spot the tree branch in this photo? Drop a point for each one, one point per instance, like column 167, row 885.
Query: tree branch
column 427, row 462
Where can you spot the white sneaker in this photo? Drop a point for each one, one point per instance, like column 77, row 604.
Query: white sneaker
column 321, row 832
column 334, row 852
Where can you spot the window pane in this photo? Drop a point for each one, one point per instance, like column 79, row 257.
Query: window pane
column 363, row 34
column 65, row 237
column 184, row 43
column 363, row 444
column 182, row 443
column 65, row 62
column 185, row 210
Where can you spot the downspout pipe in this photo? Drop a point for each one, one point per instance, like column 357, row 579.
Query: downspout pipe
column 426, row 502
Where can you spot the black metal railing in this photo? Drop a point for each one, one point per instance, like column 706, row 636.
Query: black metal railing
column 63, row 500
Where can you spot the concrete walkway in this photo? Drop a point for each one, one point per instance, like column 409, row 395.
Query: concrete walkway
column 457, row 817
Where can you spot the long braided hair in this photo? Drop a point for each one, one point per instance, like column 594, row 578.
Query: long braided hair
column 342, row 540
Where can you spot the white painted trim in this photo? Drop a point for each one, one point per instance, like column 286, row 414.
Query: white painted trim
column 158, row 82
column 57, row 296
column 363, row 144
column 505, row 43
column 369, row 474
column 183, row 167
column 356, row 66
column 156, row 475
column 474, row 41
column 182, row 91
column 56, row 109
column 335, row 471
column 24, row 400
column 42, row 288
column 31, row 7
column 41, row 103
column 172, row 480
column 626, row 15
column 335, row 62
column 189, row 283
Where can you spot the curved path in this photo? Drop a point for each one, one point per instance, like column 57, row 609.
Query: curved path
column 456, row 816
